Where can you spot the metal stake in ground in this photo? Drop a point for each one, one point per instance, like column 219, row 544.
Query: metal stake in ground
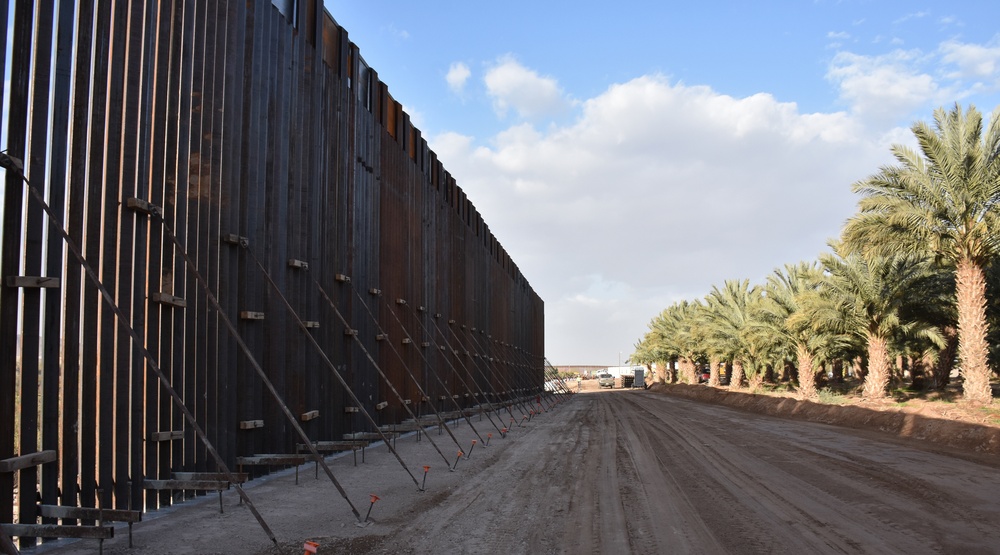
column 458, row 458
column 424, row 482
column 469, row 456
column 373, row 499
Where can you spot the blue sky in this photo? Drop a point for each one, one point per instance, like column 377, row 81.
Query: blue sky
column 629, row 156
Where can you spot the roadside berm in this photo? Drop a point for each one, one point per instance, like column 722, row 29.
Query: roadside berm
column 951, row 426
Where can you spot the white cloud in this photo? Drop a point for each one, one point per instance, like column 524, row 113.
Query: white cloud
column 949, row 20
column 882, row 89
column 909, row 16
column 513, row 86
column 458, row 74
column 402, row 34
column 973, row 61
column 656, row 192
column 905, row 85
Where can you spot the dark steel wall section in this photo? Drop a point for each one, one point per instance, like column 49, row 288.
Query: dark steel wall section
column 245, row 122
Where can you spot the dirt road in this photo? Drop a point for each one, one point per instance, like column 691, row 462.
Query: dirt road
column 615, row 472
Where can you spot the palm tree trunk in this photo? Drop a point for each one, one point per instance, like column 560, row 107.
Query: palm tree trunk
column 940, row 374
column 860, row 368
column 970, row 290
column 769, row 373
column 688, row 371
column 713, row 370
column 877, row 379
column 737, row 380
column 807, row 378
column 921, row 370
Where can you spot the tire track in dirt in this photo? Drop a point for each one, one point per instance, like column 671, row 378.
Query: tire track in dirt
column 662, row 515
column 617, row 472
column 816, row 488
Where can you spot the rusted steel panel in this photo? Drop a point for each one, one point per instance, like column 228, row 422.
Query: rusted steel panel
column 237, row 123
column 188, row 196
column 12, row 249
column 31, row 348
column 51, row 392
column 159, row 316
column 314, row 115
column 271, row 249
column 230, row 54
column 182, row 355
column 212, row 144
column 69, row 457
column 117, row 238
column 299, row 141
column 134, row 169
column 252, row 195
column 176, row 108
column 95, row 384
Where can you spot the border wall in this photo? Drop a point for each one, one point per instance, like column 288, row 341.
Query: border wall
column 298, row 192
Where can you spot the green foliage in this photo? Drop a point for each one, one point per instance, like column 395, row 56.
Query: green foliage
column 830, row 397
column 891, row 275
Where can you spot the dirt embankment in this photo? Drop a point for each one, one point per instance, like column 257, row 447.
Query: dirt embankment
column 947, row 426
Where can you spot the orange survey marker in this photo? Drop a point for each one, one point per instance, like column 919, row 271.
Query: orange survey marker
column 374, row 499
column 310, row 547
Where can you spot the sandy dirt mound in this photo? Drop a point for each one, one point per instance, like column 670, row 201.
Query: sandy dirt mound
column 948, row 425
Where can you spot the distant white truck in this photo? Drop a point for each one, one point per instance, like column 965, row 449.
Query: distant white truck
column 619, row 371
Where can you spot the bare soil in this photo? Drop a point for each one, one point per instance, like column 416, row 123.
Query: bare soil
column 935, row 421
column 640, row 471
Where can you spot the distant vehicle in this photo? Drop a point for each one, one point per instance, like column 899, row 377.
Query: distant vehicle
column 606, row 380
column 704, row 376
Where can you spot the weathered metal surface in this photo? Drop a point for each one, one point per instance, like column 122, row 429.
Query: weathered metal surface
column 237, row 123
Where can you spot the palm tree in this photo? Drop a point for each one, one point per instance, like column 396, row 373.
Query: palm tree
column 780, row 318
column 867, row 297
column 728, row 313
column 650, row 351
column 681, row 335
column 932, row 303
column 943, row 201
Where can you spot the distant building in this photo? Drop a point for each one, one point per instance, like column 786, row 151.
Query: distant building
column 583, row 370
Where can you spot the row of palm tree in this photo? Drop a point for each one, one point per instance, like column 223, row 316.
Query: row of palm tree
column 906, row 281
